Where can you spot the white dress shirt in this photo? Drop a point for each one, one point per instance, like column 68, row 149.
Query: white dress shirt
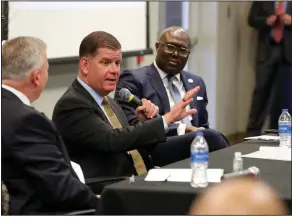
column 177, row 82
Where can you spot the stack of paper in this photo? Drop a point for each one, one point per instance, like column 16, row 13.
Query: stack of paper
column 264, row 137
column 181, row 175
column 271, row 153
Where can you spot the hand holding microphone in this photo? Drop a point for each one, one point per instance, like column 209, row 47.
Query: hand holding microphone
column 177, row 113
column 145, row 110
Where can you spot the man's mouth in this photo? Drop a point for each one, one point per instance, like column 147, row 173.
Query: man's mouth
column 173, row 62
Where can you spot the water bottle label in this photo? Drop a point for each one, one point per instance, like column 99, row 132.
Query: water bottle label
column 284, row 129
column 199, row 157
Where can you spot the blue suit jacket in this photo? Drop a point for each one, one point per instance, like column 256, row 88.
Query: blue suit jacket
column 146, row 83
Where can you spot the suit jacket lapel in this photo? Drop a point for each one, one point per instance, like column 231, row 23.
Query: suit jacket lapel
column 188, row 86
column 81, row 90
column 289, row 8
column 157, row 84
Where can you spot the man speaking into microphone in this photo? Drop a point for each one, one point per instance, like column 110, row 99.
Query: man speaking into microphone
column 93, row 126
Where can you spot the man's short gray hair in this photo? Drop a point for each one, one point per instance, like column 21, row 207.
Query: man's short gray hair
column 22, row 55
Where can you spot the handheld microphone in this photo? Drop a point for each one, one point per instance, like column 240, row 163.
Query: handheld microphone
column 252, row 171
column 125, row 94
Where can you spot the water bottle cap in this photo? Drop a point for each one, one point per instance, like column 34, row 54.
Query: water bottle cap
column 200, row 133
column 284, row 110
column 237, row 154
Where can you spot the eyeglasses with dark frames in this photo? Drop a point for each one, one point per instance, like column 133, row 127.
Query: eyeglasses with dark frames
column 170, row 48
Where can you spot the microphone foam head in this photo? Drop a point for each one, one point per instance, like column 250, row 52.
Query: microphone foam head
column 124, row 93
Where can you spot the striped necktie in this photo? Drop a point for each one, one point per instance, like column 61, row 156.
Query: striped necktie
column 137, row 158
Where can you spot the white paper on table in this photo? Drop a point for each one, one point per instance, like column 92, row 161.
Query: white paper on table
column 181, row 175
column 157, row 175
column 271, row 153
column 77, row 168
column 264, row 137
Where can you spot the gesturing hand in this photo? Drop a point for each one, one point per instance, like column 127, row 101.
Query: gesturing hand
column 179, row 112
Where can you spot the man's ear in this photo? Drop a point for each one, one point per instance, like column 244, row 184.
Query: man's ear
column 84, row 65
column 156, row 45
column 35, row 78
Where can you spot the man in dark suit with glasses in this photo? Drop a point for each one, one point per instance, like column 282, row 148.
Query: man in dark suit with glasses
column 164, row 83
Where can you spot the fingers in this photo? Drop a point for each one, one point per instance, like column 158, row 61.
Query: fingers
column 191, row 93
column 140, row 108
column 155, row 112
column 189, row 112
column 150, row 110
column 186, row 102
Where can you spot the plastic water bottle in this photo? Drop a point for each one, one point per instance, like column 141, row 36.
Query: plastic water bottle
column 285, row 129
column 199, row 161
column 237, row 162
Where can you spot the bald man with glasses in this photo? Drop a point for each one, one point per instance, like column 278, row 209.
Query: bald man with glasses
column 164, row 83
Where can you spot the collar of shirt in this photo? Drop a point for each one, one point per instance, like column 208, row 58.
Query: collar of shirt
column 98, row 98
column 163, row 75
column 285, row 4
column 19, row 95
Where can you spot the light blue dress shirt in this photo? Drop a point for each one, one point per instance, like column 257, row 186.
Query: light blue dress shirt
column 98, row 98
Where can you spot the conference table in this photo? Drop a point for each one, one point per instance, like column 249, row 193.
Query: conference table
column 173, row 198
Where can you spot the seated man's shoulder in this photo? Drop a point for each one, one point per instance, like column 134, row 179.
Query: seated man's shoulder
column 137, row 73
column 71, row 97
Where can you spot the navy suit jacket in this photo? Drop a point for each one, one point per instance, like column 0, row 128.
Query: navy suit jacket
column 146, row 83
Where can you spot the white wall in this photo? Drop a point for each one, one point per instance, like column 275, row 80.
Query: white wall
column 62, row 75
column 224, row 57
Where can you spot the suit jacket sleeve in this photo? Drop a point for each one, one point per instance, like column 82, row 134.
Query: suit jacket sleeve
column 36, row 151
column 87, row 125
column 203, row 118
column 255, row 18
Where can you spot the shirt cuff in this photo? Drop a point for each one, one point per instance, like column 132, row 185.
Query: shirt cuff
column 165, row 125
column 181, row 129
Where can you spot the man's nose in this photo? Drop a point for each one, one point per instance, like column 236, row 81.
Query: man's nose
column 175, row 53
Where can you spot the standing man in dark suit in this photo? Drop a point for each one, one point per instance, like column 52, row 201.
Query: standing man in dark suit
column 164, row 83
column 36, row 168
column 94, row 127
column 272, row 19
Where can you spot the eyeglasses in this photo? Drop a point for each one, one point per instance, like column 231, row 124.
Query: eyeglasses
column 170, row 48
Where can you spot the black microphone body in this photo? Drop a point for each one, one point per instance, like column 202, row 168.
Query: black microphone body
column 135, row 101
column 126, row 95
column 252, row 171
